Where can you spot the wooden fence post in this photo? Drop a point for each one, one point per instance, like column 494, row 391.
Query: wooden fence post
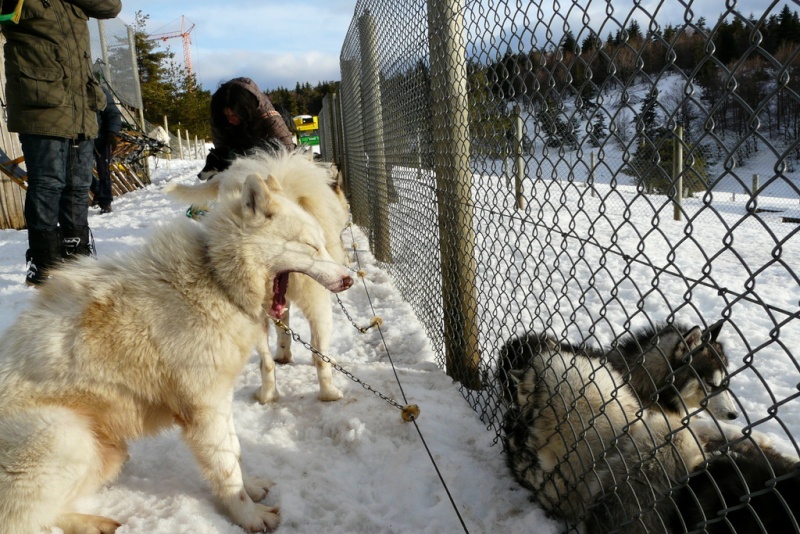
column 180, row 143
column 451, row 140
column 374, row 143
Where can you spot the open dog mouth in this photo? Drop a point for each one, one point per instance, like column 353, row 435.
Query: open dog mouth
column 279, row 285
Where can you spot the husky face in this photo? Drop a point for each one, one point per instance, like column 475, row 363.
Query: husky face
column 281, row 238
column 677, row 368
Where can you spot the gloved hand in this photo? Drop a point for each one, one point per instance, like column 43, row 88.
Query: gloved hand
column 111, row 141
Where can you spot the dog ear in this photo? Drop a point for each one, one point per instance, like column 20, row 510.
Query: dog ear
column 516, row 375
column 273, row 184
column 693, row 338
column 713, row 330
column 255, row 196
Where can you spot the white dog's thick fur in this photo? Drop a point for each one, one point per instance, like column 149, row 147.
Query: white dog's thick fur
column 316, row 190
column 120, row 348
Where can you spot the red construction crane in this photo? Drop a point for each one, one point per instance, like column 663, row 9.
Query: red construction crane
column 187, row 42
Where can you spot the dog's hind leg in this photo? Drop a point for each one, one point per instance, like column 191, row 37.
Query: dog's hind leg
column 48, row 458
column 269, row 390
column 284, row 354
column 317, row 308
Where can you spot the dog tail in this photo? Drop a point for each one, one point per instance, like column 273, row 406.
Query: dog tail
column 47, row 456
column 197, row 193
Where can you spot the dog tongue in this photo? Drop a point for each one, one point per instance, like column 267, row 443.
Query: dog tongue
column 279, row 286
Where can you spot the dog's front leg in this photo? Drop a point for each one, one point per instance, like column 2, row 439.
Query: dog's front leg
column 269, row 390
column 257, row 488
column 213, row 440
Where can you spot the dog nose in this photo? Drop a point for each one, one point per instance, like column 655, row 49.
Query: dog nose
column 347, row 282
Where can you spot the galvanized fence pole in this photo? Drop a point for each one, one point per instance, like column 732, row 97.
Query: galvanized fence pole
column 451, row 139
column 677, row 173
column 519, row 165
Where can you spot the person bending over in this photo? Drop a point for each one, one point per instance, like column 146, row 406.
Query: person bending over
column 242, row 119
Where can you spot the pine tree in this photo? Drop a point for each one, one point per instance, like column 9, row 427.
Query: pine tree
column 599, row 130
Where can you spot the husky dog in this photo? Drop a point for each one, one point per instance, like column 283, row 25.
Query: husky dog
column 673, row 367
column 122, row 347
column 744, row 488
column 316, row 189
column 591, row 447
column 676, row 367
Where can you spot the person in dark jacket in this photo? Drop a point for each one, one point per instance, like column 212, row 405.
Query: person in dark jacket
column 52, row 102
column 242, row 119
column 109, row 124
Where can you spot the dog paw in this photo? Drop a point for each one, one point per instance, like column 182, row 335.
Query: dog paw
column 266, row 396
column 284, row 354
column 87, row 524
column 264, row 519
column 330, row 394
column 257, row 488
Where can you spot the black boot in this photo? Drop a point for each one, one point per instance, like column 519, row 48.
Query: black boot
column 77, row 241
column 43, row 254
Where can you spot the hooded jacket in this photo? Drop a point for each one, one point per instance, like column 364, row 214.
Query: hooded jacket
column 230, row 142
column 50, row 88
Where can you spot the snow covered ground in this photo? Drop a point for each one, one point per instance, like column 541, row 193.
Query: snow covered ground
column 347, row 467
column 355, row 466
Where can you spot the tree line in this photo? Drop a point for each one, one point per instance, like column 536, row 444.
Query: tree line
column 737, row 71
column 168, row 90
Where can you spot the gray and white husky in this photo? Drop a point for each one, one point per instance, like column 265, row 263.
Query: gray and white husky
column 602, row 437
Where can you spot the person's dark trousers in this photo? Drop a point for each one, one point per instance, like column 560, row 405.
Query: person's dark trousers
column 101, row 186
column 59, row 177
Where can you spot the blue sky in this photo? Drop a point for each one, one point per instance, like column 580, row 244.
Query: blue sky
column 280, row 43
column 275, row 43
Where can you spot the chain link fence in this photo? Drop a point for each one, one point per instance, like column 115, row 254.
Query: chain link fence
column 114, row 53
column 552, row 184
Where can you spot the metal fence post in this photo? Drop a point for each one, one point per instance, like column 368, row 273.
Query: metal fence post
column 101, row 30
column 451, row 139
column 677, row 172
column 753, row 204
column 374, row 142
column 519, row 160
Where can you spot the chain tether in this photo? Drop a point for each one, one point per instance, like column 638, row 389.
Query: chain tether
column 410, row 412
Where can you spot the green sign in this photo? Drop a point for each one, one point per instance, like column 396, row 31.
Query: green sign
column 309, row 140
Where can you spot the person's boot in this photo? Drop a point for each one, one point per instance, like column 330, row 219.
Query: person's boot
column 43, row 254
column 76, row 241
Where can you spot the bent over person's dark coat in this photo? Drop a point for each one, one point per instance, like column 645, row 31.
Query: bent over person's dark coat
column 50, row 88
column 230, row 142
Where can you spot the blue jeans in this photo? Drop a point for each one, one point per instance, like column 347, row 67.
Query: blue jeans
column 59, row 176
column 101, row 186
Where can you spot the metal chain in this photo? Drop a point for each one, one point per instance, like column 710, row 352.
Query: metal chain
column 376, row 321
column 410, row 412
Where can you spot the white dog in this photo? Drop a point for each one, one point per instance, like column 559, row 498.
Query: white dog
column 316, row 190
column 122, row 347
